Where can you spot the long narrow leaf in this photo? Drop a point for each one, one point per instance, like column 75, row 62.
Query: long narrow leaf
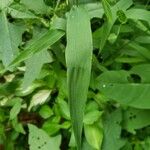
column 39, row 44
column 78, row 58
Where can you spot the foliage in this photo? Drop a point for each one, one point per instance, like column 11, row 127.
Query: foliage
column 74, row 74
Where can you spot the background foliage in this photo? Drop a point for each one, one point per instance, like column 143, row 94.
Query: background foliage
column 34, row 109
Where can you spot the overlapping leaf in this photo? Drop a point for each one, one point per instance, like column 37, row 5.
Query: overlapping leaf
column 115, row 85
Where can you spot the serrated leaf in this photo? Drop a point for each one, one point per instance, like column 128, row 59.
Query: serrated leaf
column 39, row 139
column 39, row 98
column 78, row 59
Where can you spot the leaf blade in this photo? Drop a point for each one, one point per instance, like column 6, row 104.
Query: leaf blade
column 78, row 59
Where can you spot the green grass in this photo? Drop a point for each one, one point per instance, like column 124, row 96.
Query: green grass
column 74, row 75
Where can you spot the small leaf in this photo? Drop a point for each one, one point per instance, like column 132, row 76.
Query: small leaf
column 15, row 109
column 64, row 108
column 94, row 135
column 121, row 16
column 92, row 117
column 39, row 98
column 45, row 112
column 18, row 126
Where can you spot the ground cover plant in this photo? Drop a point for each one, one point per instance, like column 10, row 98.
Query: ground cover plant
column 74, row 75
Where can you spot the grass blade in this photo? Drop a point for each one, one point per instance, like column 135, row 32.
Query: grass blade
column 39, row 44
column 78, row 58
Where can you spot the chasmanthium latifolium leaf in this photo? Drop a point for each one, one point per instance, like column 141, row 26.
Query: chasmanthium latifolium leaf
column 78, row 60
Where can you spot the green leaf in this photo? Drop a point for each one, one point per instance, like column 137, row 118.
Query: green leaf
column 94, row 135
column 107, row 9
column 5, row 3
column 92, row 117
column 33, row 67
column 64, row 108
column 45, row 112
column 130, row 94
column 39, row 7
column 58, row 23
column 95, row 9
column 112, row 131
column 87, row 146
column 39, row 139
column 78, row 59
column 9, row 40
column 18, row 11
column 140, row 49
column 15, row 109
column 123, row 5
column 39, row 98
column 135, row 119
column 18, row 127
column 43, row 42
column 121, row 16
column 138, row 14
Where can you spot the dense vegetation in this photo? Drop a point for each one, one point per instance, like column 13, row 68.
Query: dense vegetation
column 74, row 74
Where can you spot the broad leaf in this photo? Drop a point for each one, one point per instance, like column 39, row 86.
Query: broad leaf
column 115, row 85
column 78, row 59
column 34, row 65
column 9, row 40
column 112, row 131
column 39, row 139
column 135, row 119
